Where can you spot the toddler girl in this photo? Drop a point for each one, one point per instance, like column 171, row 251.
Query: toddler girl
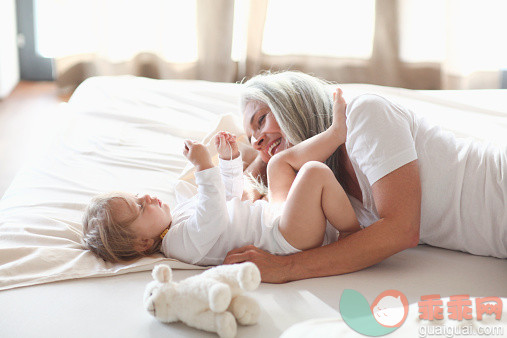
column 302, row 211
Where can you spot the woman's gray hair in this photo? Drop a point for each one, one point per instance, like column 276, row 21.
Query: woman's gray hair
column 301, row 104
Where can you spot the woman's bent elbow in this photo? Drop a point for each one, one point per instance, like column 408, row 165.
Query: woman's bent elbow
column 414, row 240
column 413, row 236
column 406, row 233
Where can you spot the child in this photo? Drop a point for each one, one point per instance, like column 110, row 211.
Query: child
column 203, row 229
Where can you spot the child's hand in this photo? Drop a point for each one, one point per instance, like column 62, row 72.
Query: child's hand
column 339, row 108
column 198, row 155
column 226, row 145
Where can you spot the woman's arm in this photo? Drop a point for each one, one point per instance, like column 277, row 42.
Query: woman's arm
column 398, row 201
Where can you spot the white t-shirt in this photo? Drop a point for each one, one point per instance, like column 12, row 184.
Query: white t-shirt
column 213, row 222
column 463, row 181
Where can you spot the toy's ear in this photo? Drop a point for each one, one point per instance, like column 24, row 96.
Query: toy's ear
column 162, row 273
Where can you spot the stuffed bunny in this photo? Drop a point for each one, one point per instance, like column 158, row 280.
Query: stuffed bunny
column 210, row 301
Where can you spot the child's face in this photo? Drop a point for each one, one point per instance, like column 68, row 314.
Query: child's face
column 153, row 216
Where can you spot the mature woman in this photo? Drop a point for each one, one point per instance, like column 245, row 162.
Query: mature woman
column 409, row 182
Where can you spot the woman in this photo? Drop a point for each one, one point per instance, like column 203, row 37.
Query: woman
column 408, row 181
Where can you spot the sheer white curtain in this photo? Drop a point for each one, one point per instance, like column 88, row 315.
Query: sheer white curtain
column 153, row 38
column 339, row 40
column 464, row 38
column 424, row 44
column 118, row 29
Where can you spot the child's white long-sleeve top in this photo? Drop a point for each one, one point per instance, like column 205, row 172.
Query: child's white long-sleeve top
column 206, row 227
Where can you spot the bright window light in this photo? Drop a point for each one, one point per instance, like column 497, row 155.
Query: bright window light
column 476, row 33
column 117, row 29
column 240, row 30
column 421, row 39
column 336, row 28
column 466, row 35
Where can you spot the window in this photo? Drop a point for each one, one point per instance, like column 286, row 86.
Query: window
column 422, row 39
column 336, row 28
column 465, row 34
column 117, row 29
column 240, row 30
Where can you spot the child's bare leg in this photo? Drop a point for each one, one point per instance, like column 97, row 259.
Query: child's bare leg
column 280, row 178
column 315, row 196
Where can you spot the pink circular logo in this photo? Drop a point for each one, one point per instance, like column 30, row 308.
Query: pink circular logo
column 390, row 308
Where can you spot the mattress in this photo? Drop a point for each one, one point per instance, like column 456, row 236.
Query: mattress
column 125, row 133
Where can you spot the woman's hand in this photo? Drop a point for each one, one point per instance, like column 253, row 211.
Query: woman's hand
column 339, row 117
column 226, row 145
column 274, row 269
column 198, row 155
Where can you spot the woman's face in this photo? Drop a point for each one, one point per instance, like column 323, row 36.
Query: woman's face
column 263, row 131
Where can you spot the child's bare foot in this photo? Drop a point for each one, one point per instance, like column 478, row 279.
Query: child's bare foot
column 339, row 117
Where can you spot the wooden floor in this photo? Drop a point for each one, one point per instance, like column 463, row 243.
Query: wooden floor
column 26, row 116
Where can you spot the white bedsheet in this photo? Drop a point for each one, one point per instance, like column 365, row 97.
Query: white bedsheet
column 125, row 133
column 335, row 327
column 112, row 306
column 117, row 134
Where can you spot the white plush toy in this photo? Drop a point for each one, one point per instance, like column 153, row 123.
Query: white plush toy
column 210, row 301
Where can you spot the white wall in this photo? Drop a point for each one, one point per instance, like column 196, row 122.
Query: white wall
column 9, row 64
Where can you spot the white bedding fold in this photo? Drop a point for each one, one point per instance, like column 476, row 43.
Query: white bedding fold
column 126, row 133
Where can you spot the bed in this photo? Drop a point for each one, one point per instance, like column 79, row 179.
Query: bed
column 125, row 133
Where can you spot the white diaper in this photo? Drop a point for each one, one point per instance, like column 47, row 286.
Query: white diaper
column 280, row 246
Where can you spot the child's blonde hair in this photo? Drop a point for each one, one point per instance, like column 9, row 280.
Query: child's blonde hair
column 108, row 235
